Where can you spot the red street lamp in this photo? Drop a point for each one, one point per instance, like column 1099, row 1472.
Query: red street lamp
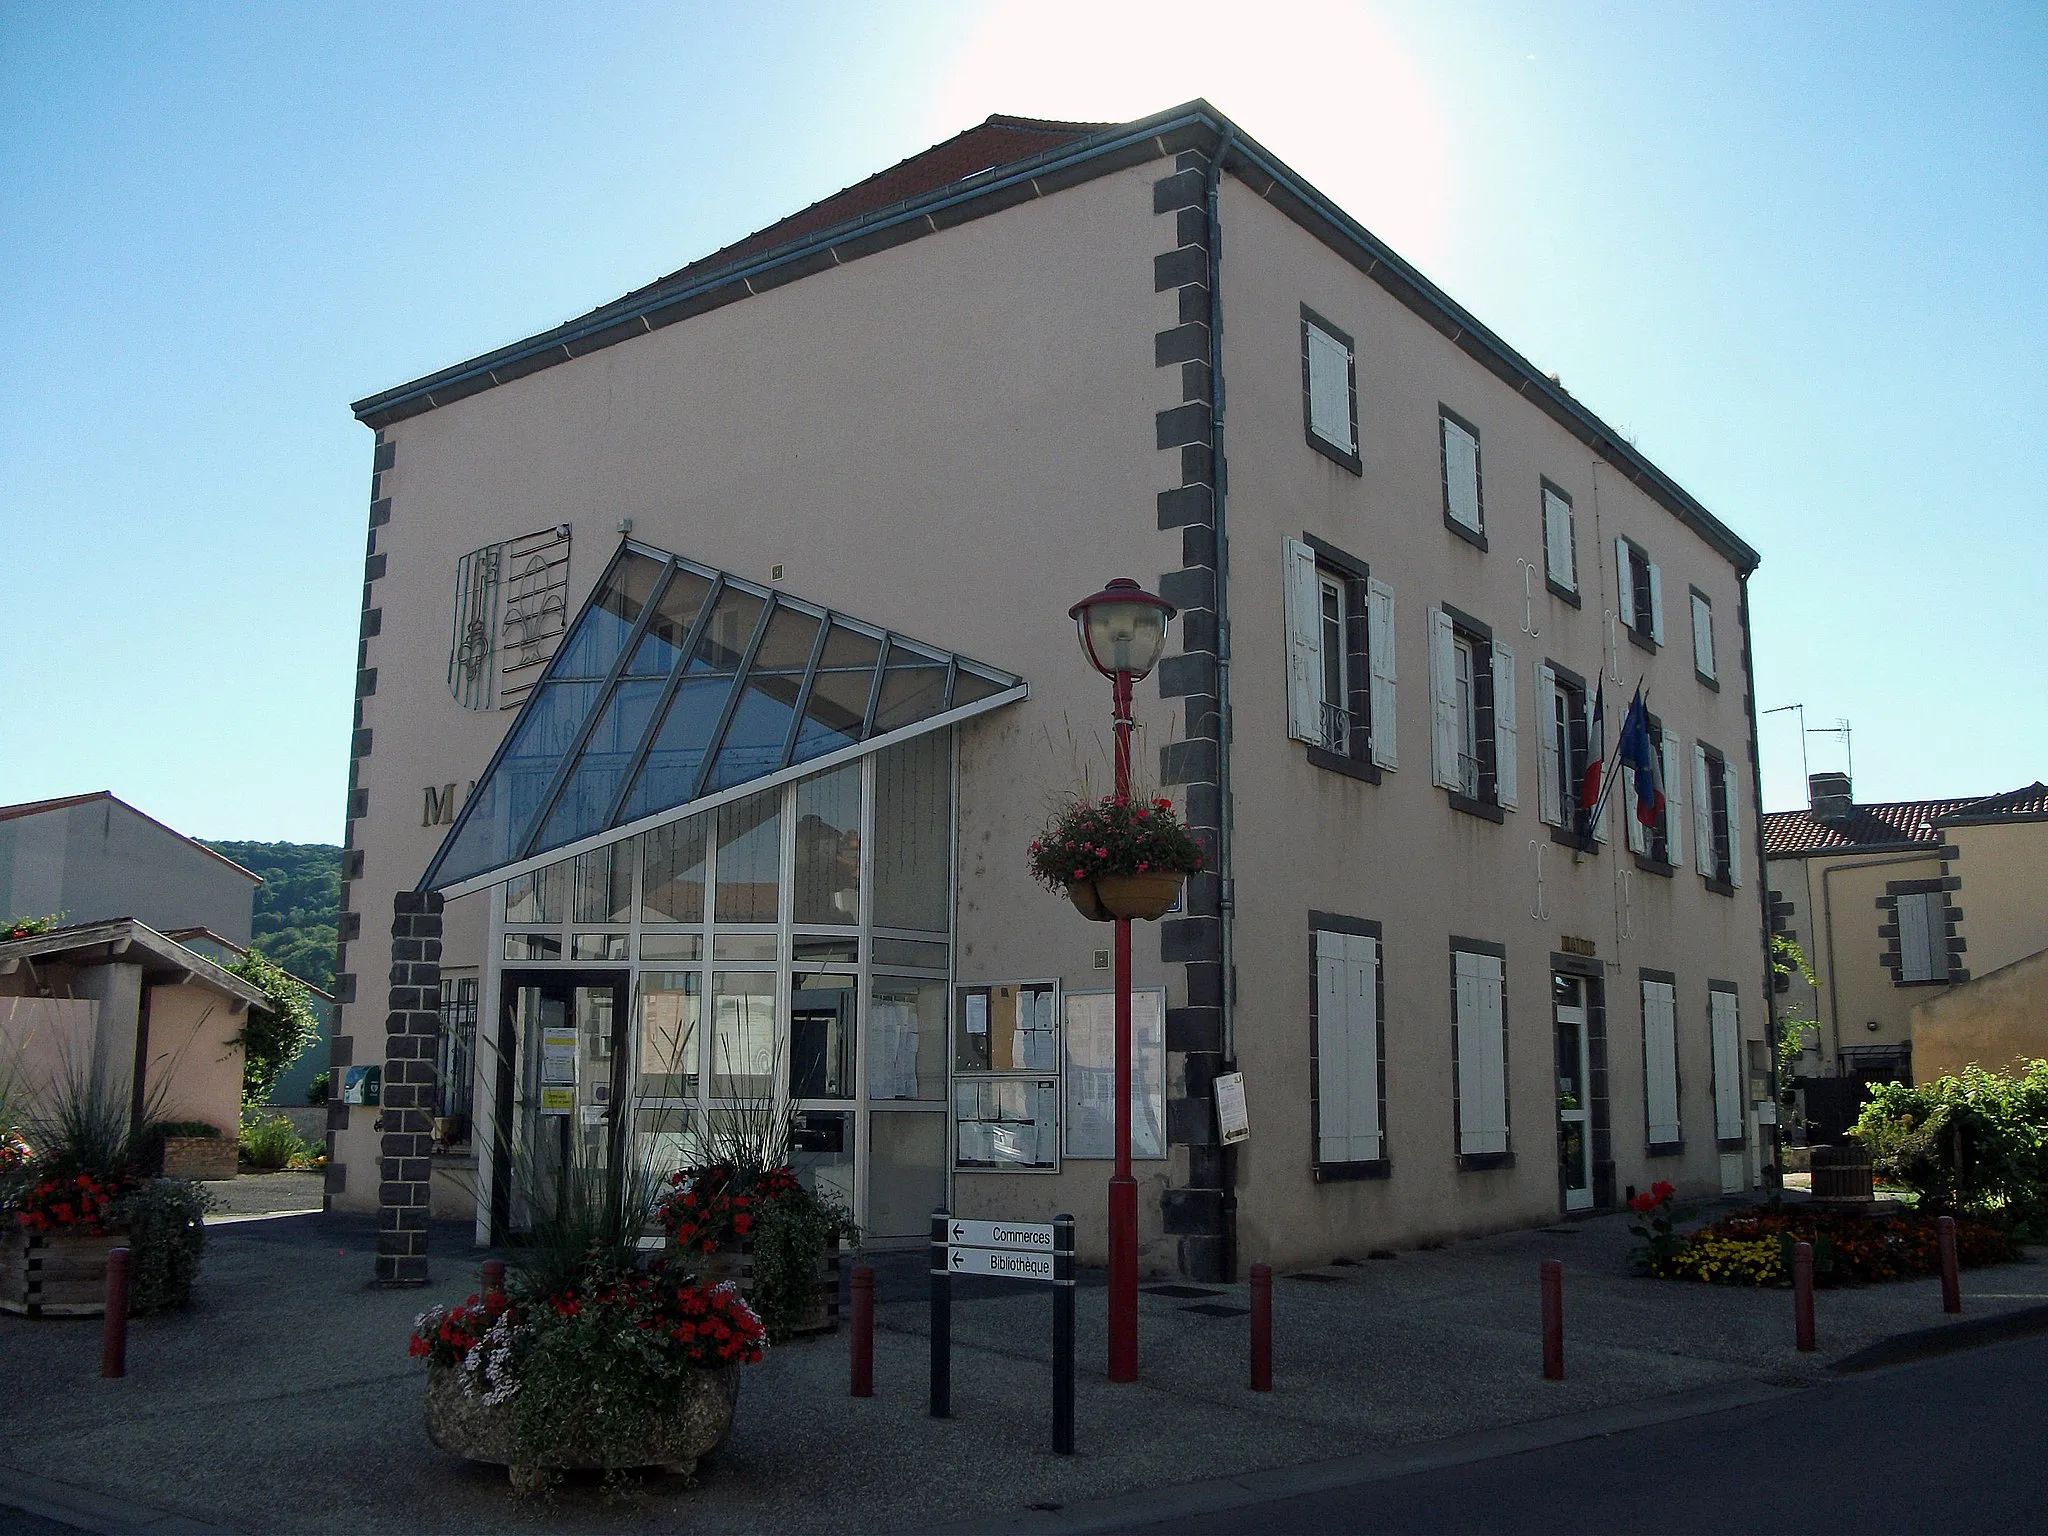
column 1123, row 630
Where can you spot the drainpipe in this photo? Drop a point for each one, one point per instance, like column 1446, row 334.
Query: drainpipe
column 1227, row 899
column 1827, row 917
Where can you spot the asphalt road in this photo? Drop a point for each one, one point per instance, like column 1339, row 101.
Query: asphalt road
column 1956, row 1445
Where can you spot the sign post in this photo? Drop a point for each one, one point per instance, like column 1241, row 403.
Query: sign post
column 942, row 1321
column 1037, row 1251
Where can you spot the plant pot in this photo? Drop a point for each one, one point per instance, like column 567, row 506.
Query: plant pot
column 56, row 1274
column 1141, row 898
column 462, row 1426
column 737, row 1266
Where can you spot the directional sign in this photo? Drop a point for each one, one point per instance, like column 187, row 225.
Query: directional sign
column 1002, row 1263
column 1026, row 1236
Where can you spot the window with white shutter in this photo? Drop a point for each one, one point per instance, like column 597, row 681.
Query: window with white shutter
column 1506, row 772
column 1923, row 936
column 1640, row 586
column 1304, row 643
column 1703, row 814
column 1560, row 546
column 1727, row 1027
column 1716, row 819
column 1329, row 390
column 1674, row 800
column 1474, row 732
column 1703, row 637
column 1660, row 1063
column 1552, row 794
column 1445, row 732
column 1656, row 601
column 1464, row 509
column 1347, row 1035
column 1380, row 647
column 1340, row 668
column 1481, row 1054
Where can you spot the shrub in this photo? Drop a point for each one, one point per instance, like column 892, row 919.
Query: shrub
column 166, row 1234
column 1975, row 1143
column 1754, row 1247
column 275, row 1035
column 722, row 1207
column 271, row 1143
column 321, row 1089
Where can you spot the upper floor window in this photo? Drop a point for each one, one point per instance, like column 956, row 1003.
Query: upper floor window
column 1661, row 840
column 1472, row 691
column 1641, row 594
column 1923, row 936
column 1560, row 544
column 1340, row 657
column 1566, row 749
column 1703, row 638
column 1717, row 818
column 1329, row 390
column 1464, row 507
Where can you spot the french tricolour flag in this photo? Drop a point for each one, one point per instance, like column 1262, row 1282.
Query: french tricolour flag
column 1640, row 753
column 1596, row 751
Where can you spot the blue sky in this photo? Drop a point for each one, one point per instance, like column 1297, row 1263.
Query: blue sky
column 1799, row 252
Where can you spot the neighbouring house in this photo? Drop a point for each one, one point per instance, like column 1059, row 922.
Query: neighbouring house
column 716, row 670
column 1925, row 923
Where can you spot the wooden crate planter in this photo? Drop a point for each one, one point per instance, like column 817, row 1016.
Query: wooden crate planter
column 200, row 1157
column 737, row 1265
column 55, row 1274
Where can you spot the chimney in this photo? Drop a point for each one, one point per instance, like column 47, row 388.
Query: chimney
column 1828, row 796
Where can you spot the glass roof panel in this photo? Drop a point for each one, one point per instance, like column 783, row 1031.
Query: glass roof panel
column 586, row 799
column 760, row 726
column 669, row 776
column 601, row 632
column 732, row 625
column 787, row 645
column 910, row 693
column 970, row 687
column 674, row 612
column 495, row 819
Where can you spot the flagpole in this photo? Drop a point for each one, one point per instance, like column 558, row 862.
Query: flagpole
column 1611, row 772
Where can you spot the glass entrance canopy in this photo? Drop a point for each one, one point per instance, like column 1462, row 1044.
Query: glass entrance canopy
column 679, row 685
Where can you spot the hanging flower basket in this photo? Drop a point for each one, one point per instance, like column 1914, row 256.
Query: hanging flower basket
column 1116, row 858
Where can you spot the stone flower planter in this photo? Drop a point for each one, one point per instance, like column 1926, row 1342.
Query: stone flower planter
column 461, row 1426
column 1139, row 897
column 55, row 1274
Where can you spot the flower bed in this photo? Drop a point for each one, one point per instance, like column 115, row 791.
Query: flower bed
column 1754, row 1247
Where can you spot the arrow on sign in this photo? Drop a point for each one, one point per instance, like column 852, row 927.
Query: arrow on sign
column 959, row 1233
column 959, row 1258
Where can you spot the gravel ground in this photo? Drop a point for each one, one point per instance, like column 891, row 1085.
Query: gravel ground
column 282, row 1401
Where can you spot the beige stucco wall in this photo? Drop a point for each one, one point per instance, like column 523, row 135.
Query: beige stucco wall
column 195, row 1063
column 1836, row 919
column 1990, row 1021
column 2004, row 871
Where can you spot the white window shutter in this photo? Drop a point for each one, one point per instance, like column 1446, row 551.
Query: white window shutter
column 1557, row 540
column 1549, row 802
column 1734, row 824
column 1606, row 806
column 1702, row 813
column 1506, row 733
column 1361, row 978
column 1660, row 1062
column 1625, row 791
column 1624, row 585
column 1728, row 1116
column 1656, row 602
column 1329, row 390
column 1674, row 803
column 1443, row 695
column 1703, row 637
column 1304, row 642
column 1461, row 473
column 1482, row 1077
column 1333, row 1039
column 1379, row 639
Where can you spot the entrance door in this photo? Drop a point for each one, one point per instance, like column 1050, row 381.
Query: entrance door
column 1574, row 1080
column 562, row 1052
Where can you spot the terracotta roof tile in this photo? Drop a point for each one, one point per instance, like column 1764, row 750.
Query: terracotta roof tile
column 1890, row 825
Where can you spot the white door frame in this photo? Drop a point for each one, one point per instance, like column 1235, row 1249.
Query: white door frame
column 1579, row 1199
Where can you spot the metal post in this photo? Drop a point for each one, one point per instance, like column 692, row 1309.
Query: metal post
column 1951, row 1281
column 863, row 1330
column 1123, row 1189
column 942, row 1321
column 114, row 1331
column 1063, row 1335
column 1262, row 1328
column 1553, row 1320
column 1802, row 1295
column 494, row 1276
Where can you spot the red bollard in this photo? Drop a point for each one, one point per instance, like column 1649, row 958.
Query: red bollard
column 1951, row 1281
column 1262, row 1328
column 494, row 1276
column 114, row 1331
column 1553, row 1320
column 863, row 1330
column 1802, row 1295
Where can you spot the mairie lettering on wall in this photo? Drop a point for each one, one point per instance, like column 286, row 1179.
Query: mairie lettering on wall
column 511, row 606
column 439, row 804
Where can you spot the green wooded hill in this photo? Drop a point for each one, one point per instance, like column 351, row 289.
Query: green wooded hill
column 298, row 905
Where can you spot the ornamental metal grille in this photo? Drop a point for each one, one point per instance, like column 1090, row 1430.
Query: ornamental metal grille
column 511, row 608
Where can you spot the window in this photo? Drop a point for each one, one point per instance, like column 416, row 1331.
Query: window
column 1329, row 390
column 1660, row 1061
column 1703, row 639
column 1472, row 688
column 1564, row 749
column 1726, row 1021
column 1480, row 1024
column 1340, row 659
column 1661, row 842
column 1006, row 1116
column 1923, row 937
column 455, row 1069
column 1349, row 1134
column 1716, row 819
column 1640, row 592
column 1560, row 544
column 1464, row 510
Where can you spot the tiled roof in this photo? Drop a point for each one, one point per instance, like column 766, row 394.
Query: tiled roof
column 65, row 802
column 999, row 141
column 1893, row 824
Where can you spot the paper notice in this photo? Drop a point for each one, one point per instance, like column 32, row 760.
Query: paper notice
column 1233, row 1124
column 977, row 1013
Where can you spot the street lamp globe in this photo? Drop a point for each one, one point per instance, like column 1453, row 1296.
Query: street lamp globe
column 1122, row 628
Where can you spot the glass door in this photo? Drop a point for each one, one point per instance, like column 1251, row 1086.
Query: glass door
column 561, row 1073
column 1574, row 1128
